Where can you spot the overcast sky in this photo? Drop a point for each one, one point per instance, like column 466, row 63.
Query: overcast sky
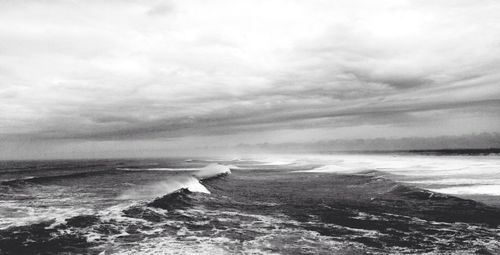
column 105, row 78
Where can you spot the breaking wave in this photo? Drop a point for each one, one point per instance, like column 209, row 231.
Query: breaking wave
column 43, row 179
column 165, row 187
column 80, row 230
column 355, row 212
column 175, row 183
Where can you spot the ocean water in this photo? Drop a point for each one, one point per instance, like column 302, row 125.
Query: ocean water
column 299, row 204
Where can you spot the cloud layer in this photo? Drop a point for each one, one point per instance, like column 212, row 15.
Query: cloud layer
column 185, row 71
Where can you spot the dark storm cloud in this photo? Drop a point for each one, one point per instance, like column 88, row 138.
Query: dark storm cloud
column 298, row 116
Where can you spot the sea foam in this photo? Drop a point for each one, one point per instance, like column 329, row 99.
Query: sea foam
column 492, row 190
column 467, row 175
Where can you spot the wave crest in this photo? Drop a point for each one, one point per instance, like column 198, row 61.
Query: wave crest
column 165, row 187
column 173, row 184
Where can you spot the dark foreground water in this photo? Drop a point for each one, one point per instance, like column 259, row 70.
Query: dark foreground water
column 167, row 206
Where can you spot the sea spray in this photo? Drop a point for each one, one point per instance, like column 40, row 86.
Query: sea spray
column 211, row 171
column 165, row 187
column 191, row 183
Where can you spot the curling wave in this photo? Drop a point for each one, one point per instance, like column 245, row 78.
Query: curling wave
column 173, row 184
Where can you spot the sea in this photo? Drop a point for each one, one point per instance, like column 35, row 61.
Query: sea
column 281, row 204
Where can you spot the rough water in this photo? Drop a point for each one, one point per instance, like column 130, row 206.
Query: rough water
column 344, row 204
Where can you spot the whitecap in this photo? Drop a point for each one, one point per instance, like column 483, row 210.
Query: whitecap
column 492, row 190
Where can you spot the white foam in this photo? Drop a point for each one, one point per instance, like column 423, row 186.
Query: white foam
column 20, row 214
column 43, row 203
column 483, row 172
column 457, row 181
column 171, row 245
column 493, row 190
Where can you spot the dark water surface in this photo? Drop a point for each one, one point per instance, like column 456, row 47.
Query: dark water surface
column 156, row 206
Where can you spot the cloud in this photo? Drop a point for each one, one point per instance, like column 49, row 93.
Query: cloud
column 161, row 9
column 94, row 70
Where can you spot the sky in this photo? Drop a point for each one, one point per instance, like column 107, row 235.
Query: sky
column 129, row 78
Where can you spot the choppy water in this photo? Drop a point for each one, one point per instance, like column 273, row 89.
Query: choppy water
column 346, row 204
